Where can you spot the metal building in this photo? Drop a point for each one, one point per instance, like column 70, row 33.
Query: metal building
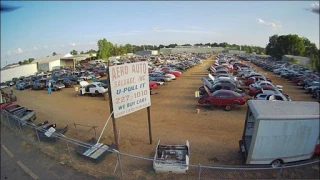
column 52, row 62
column 147, row 52
column 15, row 72
column 301, row 60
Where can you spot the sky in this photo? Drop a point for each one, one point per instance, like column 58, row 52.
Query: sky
column 39, row 28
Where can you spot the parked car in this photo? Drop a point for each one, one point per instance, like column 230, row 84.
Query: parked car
column 95, row 88
column 38, row 85
column 153, row 85
column 225, row 98
column 67, row 82
column 159, row 77
column 9, row 83
column 312, row 87
column 23, row 85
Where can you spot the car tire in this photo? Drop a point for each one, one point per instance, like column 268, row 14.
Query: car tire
column 208, row 105
column 276, row 163
column 228, row 108
column 96, row 92
column 236, row 104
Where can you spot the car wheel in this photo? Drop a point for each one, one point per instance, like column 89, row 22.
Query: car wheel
column 96, row 92
column 276, row 163
column 236, row 105
column 208, row 104
column 228, row 108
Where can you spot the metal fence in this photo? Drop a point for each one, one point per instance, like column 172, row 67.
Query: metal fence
column 117, row 165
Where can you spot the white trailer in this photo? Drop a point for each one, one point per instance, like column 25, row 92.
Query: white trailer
column 278, row 132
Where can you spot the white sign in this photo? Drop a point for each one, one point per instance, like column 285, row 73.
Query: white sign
column 129, row 85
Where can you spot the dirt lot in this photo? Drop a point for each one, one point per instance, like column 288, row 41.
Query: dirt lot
column 213, row 134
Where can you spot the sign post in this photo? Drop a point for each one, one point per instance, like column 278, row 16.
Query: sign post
column 129, row 91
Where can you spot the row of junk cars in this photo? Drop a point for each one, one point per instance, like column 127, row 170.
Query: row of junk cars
column 162, row 69
column 300, row 76
column 224, row 86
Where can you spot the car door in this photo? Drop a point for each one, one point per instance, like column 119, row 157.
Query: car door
column 221, row 99
column 92, row 88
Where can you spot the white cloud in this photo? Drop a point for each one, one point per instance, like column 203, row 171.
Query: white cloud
column 9, row 53
column 45, row 47
column 195, row 28
column 192, row 31
column 92, row 43
column 18, row 51
column 315, row 8
column 62, row 45
column 272, row 25
column 72, row 44
column 35, row 48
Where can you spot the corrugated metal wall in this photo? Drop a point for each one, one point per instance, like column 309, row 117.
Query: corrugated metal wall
column 24, row 70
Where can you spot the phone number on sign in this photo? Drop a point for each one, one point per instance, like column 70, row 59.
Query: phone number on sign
column 127, row 97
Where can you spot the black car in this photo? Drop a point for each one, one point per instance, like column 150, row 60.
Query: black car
column 67, row 82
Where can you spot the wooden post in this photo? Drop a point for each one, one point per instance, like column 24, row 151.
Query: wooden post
column 111, row 110
column 149, row 124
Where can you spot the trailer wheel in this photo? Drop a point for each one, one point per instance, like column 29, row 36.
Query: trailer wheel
column 276, row 163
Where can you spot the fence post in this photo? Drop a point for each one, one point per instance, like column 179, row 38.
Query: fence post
column 199, row 171
column 69, row 152
column 280, row 174
column 121, row 173
column 37, row 134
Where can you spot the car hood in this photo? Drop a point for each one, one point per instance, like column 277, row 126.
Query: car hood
column 206, row 82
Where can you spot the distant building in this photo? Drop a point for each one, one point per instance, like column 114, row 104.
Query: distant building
column 147, row 52
column 236, row 52
column 191, row 49
column 8, row 73
column 300, row 59
column 52, row 62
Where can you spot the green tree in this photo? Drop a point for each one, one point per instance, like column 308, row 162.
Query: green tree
column 74, row 52
column 30, row 60
column 25, row 62
column 105, row 49
column 271, row 47
column 81, row 52
column 215, row 45
column 54, row 53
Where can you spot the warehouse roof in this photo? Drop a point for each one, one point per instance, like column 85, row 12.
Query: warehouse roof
column 51, row 58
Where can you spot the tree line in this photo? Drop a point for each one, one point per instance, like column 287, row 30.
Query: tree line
column 292, row 44
column 107, row 49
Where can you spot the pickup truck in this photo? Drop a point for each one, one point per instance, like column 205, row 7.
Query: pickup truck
column 38, row 85
column 171, row 158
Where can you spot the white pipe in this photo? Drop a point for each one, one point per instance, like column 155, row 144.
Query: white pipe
column 104, row 127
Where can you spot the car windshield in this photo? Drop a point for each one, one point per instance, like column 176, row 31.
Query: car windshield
column 99, row 85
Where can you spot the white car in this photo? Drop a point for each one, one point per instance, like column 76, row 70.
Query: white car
column 93, row 88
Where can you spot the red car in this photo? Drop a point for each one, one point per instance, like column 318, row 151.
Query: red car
column 254, row 79
column 169, row 71
column 153, row 85
column 253, row 90
column 5, row 105
column 226, row 98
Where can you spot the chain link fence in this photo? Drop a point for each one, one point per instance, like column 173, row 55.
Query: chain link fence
column 117, row 165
